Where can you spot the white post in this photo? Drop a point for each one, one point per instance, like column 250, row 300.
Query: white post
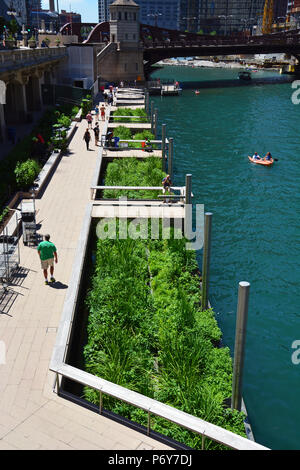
column 239, row 348
column 206, row 261
column 163, row 146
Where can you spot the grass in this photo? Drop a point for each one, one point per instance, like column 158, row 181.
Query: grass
column 146, row 332
column 133, row 172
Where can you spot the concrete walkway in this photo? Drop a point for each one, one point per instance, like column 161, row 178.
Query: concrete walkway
column 31, row 415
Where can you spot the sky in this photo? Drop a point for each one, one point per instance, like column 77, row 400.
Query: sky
column 87, row 8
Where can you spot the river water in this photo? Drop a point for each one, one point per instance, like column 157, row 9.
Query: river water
column 255, row 227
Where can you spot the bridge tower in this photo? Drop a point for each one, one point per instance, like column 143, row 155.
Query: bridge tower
column 125, row 59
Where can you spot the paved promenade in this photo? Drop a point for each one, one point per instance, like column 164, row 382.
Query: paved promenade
column 31, row 415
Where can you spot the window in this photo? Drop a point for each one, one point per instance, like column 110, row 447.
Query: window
column 125, row 16
column 119, row 16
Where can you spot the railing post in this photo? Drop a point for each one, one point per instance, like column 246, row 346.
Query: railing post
column 188, row 189
column 239, row 347
column 152, row 115
column 163, row 146
column 206, row 260
column 170, row 160
column 188, row 210
column 149, row 424
column 101, row 402
column 147, row 102
column 155, row 122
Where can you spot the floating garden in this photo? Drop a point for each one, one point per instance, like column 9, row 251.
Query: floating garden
column 133, row 172
column 146, row 332
column 124, row 133
column 140, row 115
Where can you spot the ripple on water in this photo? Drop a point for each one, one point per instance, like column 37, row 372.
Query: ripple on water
column 255, row 228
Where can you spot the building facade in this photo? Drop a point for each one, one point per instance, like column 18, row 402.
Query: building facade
column 164, row 14
column 14, row 9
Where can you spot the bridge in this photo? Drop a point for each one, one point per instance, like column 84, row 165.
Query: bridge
column 161, row 43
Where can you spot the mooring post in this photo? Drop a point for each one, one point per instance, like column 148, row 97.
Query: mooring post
column 152, row 115
column 147, row 102
column 170, row 160
column 206, row 260
column 155, row 122
column 188, row 210
column 188, row 189
column 239, row 347
column 163, row 146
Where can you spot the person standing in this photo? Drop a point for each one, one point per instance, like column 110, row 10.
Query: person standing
column 166, row 182
column 102, row 112
column 87, row 138
column 47, row 253
column 89, row 119
column 96, row 132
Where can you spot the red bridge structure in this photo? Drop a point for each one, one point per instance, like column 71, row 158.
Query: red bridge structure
column 160, row 43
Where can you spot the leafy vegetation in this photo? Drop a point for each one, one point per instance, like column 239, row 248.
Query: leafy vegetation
column 146, row 332
column 139, row 112
column 133, row 172
column 4, row 214
column 32, row 148
column 26, row 172
column 125, row 134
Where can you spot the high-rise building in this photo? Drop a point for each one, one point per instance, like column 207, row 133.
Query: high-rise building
column 164, row 14
column 14, row 9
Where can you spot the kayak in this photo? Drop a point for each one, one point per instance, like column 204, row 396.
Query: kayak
column 262, row 162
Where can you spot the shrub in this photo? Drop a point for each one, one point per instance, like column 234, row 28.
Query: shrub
column 26, row 172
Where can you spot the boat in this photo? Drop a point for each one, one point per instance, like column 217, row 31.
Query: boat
column 245, row 75
column 262, row 161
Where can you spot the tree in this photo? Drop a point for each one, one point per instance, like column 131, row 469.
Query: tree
column 13, row 27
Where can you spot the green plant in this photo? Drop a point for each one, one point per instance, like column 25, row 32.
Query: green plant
column 4, row 214
column 86, row 105
column 64, row 121
column 148, row 334
column 139, row 112
column 133, row 172
column 26, row 172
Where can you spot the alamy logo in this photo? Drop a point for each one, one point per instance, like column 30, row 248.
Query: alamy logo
column 295, row 96
column 148, row 227
column 296, row 353
column 2, row 92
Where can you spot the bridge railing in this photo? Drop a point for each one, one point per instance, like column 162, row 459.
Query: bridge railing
column 292, row 38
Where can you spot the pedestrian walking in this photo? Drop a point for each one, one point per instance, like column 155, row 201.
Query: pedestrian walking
column 96, row 132
column 102, row 112
column 97, row 112
column 87, row 138
column 89, row 119
column 47, row 253
column 110, row 98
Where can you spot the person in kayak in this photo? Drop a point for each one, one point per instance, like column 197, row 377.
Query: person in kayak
column 256, row 156
column 268, row 157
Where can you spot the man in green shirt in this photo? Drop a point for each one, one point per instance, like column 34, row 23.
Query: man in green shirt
column 47, row 252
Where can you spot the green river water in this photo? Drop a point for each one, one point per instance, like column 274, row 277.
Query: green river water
column 255, row 227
